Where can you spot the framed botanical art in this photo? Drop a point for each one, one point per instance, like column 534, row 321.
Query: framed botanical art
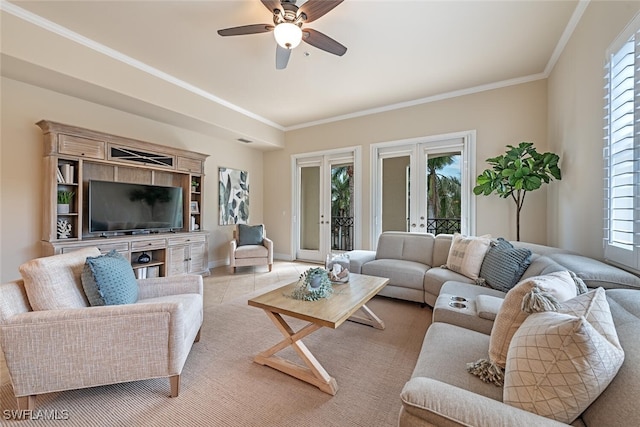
column 233, row 195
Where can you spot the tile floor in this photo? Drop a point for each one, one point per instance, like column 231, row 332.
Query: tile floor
column 223, row 286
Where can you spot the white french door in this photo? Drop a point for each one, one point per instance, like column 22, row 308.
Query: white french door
column 316, row 230
column 404, row 175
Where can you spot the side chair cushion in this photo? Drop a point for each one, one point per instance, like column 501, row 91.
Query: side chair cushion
column 53, row 282
column 109, row 280
column 251, row 251
column 250, row 234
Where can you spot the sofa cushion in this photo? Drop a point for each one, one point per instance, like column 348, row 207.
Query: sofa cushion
column 504, row 265
column 53, row 283
column 445, row 350
column 408, row 274
column 109, row 280
column 467, row 253
column 558, row 363
column 436, row 277
column 416, row 247
column 559, row 284
column 250, row 234
column 596, row 273
column 541, row 265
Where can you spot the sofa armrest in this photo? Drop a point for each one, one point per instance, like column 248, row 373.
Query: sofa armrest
column 172, row 285
column 358, row 258
column 57, row 350
column 438, row 403
column 268, row 243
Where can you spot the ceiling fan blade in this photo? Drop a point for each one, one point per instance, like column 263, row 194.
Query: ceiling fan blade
column 282, row 57
column 271, row 4
column 246, row 29
column 315, row 9
column 322, row 41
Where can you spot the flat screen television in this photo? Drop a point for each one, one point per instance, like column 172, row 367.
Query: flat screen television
column 125, row 207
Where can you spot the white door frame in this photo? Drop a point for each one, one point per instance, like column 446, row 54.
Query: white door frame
column 325, row 159
column 415, row 148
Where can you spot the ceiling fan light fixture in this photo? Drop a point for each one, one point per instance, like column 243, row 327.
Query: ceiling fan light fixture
column 287, row 35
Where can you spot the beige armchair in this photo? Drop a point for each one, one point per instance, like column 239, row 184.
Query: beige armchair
column 250, row 246
column 72, row 345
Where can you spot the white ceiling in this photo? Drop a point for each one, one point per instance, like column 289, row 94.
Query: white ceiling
column 400, row 52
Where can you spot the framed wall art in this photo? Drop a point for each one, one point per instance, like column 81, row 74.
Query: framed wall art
column 233, row 194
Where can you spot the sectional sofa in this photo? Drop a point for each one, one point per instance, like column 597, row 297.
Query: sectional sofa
column 441, row 391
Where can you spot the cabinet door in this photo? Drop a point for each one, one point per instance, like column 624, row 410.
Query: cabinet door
column 178, row 260
column 197, row 258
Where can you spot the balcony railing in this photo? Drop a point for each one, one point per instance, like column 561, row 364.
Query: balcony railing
column 342, row 230
column 443, row 225
column 342, row 233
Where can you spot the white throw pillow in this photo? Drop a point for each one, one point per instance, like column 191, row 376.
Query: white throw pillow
column 559, row 363
column 559, row 284
column 467, row 253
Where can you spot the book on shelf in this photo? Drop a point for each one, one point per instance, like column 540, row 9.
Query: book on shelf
column 67, row 173
column 59, row 176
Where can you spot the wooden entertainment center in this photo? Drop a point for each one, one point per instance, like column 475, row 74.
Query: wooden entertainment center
column 73, row 156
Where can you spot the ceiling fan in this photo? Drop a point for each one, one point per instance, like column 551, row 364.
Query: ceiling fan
column 288, row 19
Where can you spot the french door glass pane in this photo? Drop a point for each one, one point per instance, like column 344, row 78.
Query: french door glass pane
column 395, row 193
column 310, row 208
column 443, row 193
column 342, row 207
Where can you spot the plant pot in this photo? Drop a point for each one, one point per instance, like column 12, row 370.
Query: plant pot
column 315, row 282
column 194, row 189
column 63, row 209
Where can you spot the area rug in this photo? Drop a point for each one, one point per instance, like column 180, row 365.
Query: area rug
column 221, row 386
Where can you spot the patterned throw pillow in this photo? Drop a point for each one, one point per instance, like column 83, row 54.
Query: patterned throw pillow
column 504, row 265
column 109, row 280
column 250, row 234
column 560, row 285
column 559, row 363
column 467, row 253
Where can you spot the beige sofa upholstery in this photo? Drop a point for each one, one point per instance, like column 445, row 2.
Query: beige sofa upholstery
column 441, row 392
column 51, row 350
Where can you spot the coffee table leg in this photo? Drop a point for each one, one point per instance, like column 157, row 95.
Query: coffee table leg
column 371, row 319
column 313, row 373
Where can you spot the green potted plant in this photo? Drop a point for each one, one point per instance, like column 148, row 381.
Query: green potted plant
column 64, row 199
column 513, row 174
column 194, row 185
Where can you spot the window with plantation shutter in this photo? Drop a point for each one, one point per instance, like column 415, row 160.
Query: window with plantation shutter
column 622, row 149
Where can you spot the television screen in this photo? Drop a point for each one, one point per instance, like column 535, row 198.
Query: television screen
column 121, row 206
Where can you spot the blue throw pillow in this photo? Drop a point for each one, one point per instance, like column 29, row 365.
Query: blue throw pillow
column 504, row 265
column 109, row 280
column 250, row 234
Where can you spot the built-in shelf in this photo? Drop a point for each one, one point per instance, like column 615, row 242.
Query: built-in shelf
column 74, row 156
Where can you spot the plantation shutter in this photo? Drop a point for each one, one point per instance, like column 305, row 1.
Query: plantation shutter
column 622, row 149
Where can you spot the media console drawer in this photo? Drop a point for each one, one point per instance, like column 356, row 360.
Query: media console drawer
column 148, row 245
column 185, row 240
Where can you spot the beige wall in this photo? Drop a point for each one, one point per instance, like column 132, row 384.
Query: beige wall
column 21, row 163
column 576, row 207
column 500, row 117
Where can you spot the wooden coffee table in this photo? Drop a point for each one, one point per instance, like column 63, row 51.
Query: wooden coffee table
column 329, row 312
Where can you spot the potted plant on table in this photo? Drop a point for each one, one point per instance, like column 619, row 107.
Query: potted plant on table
column 513, row 174
column 64, row 199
